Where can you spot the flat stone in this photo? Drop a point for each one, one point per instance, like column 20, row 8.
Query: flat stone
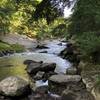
column 58, row 83
column 65, row 78
column 33, row 68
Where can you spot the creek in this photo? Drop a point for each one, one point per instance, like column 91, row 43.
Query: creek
column 13, row 65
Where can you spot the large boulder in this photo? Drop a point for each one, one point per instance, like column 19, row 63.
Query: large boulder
column 63, row 79
column 46, row 67
column 33, row 68
column 14, row 86
column 57, row 83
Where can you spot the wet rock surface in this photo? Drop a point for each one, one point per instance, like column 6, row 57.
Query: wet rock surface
column 71, row 53
column 41, row 46
column 28, row 62
column 39, row 75
column 35, row 67
column 6, row 52
column 63, row 79
column 58, row 83
column 60, row 86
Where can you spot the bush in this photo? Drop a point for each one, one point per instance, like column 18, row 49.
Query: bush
column 59, row 30
column 89, row 44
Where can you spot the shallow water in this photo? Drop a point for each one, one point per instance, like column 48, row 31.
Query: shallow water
column 54, row 47
column 13, row 65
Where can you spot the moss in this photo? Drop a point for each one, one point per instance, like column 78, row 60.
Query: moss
column 15, row 47
column 18, row 48
column 91, row 67
column 4, row 46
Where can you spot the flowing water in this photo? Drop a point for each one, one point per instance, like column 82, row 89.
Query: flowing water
column 55, row 47
column 13, row 65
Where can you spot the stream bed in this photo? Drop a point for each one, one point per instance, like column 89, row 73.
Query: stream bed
column 13, row 64
column 57, row 87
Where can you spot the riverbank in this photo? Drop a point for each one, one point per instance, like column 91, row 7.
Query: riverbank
column 19, row 39
column 8, row 49
column 15, row 43
column 89, row 71
column 52, row 84
column 49, row 52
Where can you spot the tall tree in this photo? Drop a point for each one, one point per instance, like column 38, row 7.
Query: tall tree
column 51, row 9
column 86, row 16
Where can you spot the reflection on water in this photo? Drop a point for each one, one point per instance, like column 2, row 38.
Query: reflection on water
column 13, row 65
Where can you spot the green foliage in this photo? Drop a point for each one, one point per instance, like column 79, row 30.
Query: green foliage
column 59, row 30
column 86, row 17
column 4, row 46
column 19, row 15
column 84, row 24
column 55, row 29
column 50, row 9
column 46, row 10
column 89, row 44
column 14, row 14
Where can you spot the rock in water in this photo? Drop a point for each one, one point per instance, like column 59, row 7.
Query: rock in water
column 41, row 46
column 46, row 67
column 28, row 62
column 14, row 86
column 58, row 83
column 33, row 68
column 62, row 79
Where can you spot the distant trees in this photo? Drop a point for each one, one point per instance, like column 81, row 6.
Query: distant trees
column 14, row 14
column 20, row 15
